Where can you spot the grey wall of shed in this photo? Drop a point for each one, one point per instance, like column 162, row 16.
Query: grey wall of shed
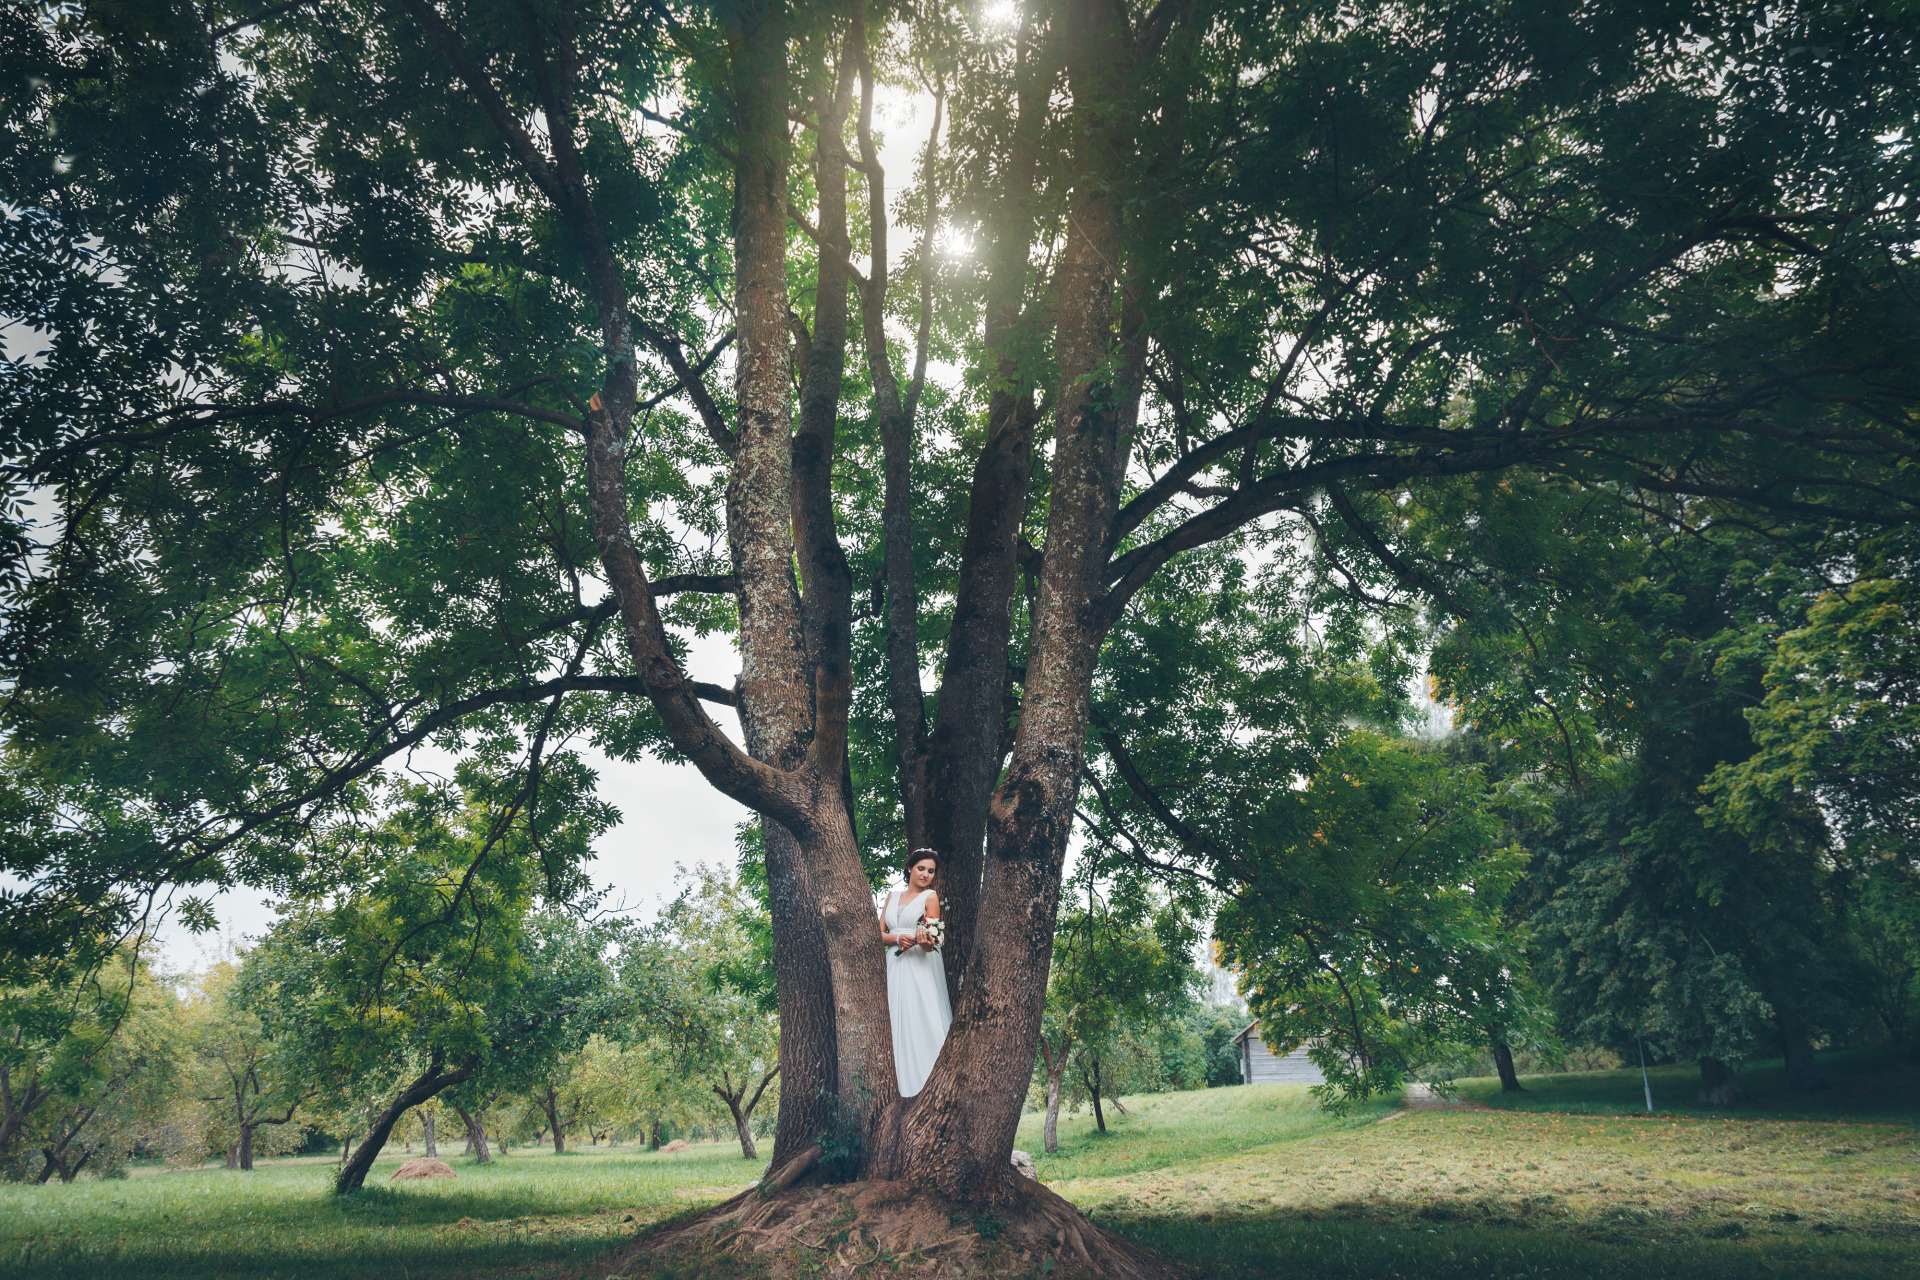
column 1259, row 1065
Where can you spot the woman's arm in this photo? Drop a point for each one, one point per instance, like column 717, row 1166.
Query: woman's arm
column 886, row 939
column 931, row 913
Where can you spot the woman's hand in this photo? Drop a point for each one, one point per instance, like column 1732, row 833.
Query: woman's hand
column 922, row 940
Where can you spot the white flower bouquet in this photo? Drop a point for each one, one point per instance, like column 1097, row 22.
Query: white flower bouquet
column 936, row 931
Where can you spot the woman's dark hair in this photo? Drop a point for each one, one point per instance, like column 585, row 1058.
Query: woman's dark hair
column 919, row 856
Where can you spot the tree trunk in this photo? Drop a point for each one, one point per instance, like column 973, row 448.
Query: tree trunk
column 656, row 1136
column 807, row 1040
column 740, row 1125
column 233, row 1155
column 1051, row 1134
column 475, row 1122
column 961, row 1127
column 1803, row 1074
column 1503, row 1063
column 429, row 1147
column 965, row 749
column 428, row 1083
column 550, row 1104
column 1718, row 1086
column 1093, row 1091
column 246, row 1147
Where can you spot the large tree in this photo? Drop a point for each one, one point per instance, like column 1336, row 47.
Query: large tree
column 378, row 402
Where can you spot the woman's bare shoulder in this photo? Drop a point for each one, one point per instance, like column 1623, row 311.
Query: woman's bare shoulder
column 933, row 900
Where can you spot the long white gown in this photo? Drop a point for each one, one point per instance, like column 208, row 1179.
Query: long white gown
column 916, row 997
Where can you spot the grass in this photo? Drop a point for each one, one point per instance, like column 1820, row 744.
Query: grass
column 528, row 1213
column 1568, row 1181
column 1171, row 1129
column 1571, row 1180
column 1868, row 1085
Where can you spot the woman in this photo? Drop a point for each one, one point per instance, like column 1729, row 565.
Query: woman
column 916, row 976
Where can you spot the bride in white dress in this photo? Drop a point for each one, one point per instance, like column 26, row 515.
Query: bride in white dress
column 916, row 976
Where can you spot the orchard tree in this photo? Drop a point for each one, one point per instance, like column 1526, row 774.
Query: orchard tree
column 1119, row 967
column 717, row 933
column 426, row 967
column 236, row 1073
column 383, row 402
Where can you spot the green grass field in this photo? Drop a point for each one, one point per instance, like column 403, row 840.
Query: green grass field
column 1569, row 1181
column 528, row 1213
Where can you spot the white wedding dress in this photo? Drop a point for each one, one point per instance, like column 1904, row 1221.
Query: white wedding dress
column 916, row 997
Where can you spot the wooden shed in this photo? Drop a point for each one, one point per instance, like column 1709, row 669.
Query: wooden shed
column 1259, row 1064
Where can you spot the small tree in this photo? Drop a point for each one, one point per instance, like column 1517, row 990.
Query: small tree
column 427, row 967
column 248, row 1090
column 724, row 977
column 1115, row 973
column 1376, row 932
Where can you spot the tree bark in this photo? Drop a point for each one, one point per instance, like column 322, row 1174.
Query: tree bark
column 1718, row 1085
column 1503, row 1063
column 550, row 1105
column 962, row 1127
column 246, row 1148
column 428, row 1147
column 476, row 1133
column 965, row 750
column 1051, row 1133
column 807, row 1039
column 1093, row 1091
column 424, row 1086
column 895, row 414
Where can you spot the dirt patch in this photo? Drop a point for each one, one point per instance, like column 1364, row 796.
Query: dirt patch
column 886, row 1229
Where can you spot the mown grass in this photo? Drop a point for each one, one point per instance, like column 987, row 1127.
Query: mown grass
column 528, row 1213
column 1580, row 1188
column 1567, row 1181
column 1170, row 1129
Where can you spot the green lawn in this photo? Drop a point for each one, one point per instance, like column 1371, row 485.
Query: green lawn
column 1571, row 1180
column 1568, row 1181
column 531, row 1211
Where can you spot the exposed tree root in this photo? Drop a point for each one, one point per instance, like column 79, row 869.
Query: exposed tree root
column 879, row 1229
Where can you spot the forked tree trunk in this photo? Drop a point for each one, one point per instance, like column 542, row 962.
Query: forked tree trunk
column 1503, row 1063
column 1056, row 1064
column 475, row 1123
column 550, row 1106
column 965, row 748
column 1092, row 1081
column 1718, row 1085
column 961, row 1130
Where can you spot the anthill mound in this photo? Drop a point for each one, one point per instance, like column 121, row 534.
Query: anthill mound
column 891, row 1229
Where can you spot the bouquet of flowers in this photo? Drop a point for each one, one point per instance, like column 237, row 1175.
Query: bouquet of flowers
column 936, row 931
